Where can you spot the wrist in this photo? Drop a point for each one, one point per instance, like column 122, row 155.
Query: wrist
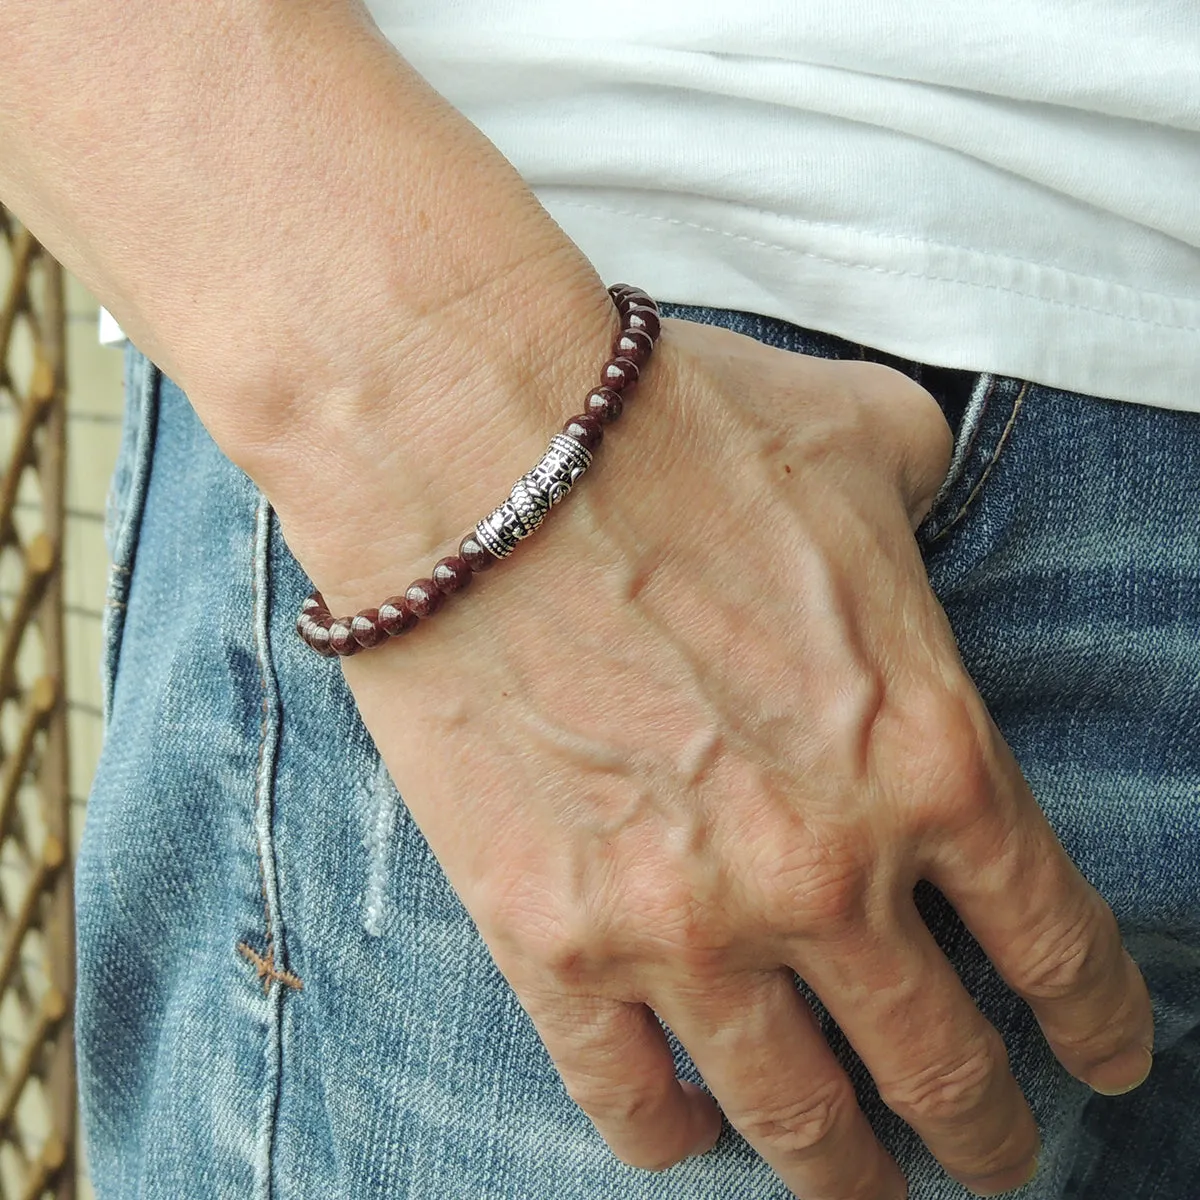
column 529, row 501
column 384, row 472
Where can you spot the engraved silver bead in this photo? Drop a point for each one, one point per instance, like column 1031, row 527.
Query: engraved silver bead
column 532, row 496
column 562, row 464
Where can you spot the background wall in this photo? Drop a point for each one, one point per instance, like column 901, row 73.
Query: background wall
column 94, row 402
column 94, row 377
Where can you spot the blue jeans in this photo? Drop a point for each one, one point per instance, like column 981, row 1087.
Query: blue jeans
column 279, row 994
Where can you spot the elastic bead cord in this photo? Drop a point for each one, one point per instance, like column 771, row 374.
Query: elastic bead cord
column 533, row 495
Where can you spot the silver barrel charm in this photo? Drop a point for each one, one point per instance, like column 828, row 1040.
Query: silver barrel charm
column 533, row 495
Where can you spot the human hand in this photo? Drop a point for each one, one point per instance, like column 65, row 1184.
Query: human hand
column 710, row 728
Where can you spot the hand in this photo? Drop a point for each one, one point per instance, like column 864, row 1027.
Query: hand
column 710, row 727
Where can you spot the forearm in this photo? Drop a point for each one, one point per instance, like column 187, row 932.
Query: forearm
column 287, row 219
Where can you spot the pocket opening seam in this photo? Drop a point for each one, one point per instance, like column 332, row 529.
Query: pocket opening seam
column 124, row 518
column 989, row 466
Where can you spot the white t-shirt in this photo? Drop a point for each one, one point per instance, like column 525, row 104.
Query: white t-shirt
column 1001, row 185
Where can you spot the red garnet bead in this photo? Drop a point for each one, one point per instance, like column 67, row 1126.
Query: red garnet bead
column 366, row 629
column 645, row 319
column 631, row 351
column 585, row 429
column 423, row 597
column 341, row 638
column 635, row 345
column 318, row 639
column 312, row 616
column 604, row 403
column 395, row 617
column 619, row 374
column 475, row 554
column 451, row 574
column 635, row 296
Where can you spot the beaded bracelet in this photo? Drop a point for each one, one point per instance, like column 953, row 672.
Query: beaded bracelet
column 531, row 498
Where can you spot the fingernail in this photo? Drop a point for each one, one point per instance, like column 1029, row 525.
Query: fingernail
column 1122, row 1074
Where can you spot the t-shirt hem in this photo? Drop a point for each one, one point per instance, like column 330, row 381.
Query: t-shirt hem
column 943, row 305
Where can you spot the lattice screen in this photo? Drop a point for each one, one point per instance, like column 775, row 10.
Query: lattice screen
column 37, row 1071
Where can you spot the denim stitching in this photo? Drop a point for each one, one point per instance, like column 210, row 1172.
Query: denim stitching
column 977, row 424
column 876, row 270
column 972, row 427
column 263, row 785
column 987, row 470
column 266, row 969
column 125, row 541
column 264, row 963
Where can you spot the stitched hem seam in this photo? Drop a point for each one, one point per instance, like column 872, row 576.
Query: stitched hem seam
column 906, row 273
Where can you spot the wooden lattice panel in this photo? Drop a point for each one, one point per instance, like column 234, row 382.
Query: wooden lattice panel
column 37, row 1073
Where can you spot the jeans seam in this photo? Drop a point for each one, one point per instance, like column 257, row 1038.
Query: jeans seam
column 125, row 541
column 966, row 437
column 977, row 489
column 276, row 979
column 977, row 419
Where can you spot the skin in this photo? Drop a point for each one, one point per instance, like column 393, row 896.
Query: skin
column 712, row 727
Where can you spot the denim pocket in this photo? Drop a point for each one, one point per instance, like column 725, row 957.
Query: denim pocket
column 982, row 437
column 125, row 502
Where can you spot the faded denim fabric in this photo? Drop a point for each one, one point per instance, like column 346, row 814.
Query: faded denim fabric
column 281, row 997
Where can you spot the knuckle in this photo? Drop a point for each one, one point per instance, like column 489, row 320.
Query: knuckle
column 820, row 888
column 1093, row 1039
column 661, row 920
column 558, row 948
column 998, row 1158
column 948, row 1091
column 836, row 897
column 561, row 938
column 879, row 387
column 947, row 761
column 609, row 1102
column 1064, row 961
column 674, row 923
column 802, row 1126
column 905, row 422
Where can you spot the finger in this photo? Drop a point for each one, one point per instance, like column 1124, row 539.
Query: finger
column 1049, row 933
column 617, row 1066
column 761, row 1052
column 937, row 1062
